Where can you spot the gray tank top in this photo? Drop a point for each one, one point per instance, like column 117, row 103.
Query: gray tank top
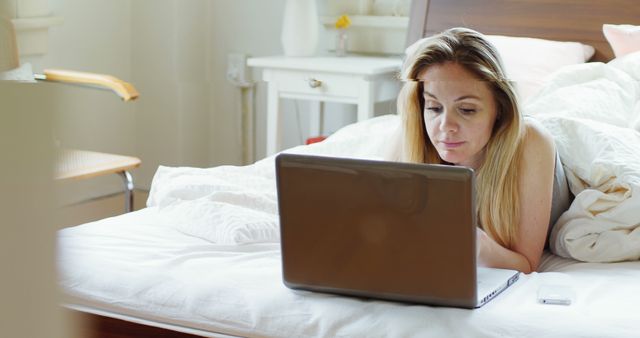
column 562, row 197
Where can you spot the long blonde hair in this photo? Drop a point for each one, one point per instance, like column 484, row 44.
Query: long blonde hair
column 497, row 198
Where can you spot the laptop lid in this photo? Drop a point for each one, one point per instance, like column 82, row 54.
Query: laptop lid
column 390, row 230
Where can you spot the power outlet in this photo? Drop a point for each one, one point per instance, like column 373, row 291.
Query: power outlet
column 237, row 71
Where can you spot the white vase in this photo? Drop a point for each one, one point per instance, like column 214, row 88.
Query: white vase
column 342, row 40
column 300, row 28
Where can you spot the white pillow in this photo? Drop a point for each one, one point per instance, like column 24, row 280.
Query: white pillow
column 623, row 39
column 529, row 61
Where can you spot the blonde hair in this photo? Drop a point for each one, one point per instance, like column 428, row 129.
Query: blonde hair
column 497, row 199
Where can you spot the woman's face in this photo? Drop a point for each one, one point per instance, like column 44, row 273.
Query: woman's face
column 459, row 113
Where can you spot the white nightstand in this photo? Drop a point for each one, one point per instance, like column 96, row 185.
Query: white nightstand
column 360, row 80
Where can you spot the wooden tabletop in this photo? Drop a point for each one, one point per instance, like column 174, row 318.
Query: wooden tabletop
column 80, row 164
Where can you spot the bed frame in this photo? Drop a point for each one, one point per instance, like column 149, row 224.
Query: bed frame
column 562, row 20
column 95, row 326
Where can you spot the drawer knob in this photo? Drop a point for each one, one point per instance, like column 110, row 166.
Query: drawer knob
column 314, row 83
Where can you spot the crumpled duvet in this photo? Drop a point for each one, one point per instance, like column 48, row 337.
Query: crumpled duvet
column 238, row 205
column 593, row 112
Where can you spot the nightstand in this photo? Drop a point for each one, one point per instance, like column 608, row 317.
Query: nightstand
column 359, row 80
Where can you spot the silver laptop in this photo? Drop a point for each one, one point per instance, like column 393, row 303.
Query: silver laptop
column 386, row 230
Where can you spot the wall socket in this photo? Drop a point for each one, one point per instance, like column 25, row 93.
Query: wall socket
column 237, row 70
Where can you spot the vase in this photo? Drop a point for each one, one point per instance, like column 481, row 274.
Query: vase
column 342, row 42
column 299, row 35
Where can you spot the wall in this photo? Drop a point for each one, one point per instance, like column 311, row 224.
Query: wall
column 256, row 27
column 256, row 31
column 175, row 53
column 95, row 37
column 159, row 46
column 170, row 59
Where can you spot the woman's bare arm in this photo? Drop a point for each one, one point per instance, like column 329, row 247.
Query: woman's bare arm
column 536, row 177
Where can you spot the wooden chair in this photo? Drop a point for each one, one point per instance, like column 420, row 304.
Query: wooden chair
column 83, row 164
column 71, row 163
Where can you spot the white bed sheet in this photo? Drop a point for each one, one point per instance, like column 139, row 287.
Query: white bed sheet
column 137, row 265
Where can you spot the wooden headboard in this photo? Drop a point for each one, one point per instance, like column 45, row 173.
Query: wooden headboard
column 560, row 20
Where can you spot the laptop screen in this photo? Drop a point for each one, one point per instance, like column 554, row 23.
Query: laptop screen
column 378, row 229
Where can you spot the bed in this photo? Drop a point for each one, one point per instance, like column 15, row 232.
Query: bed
column 203, row 258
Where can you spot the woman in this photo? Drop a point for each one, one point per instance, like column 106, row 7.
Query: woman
column 460, row 109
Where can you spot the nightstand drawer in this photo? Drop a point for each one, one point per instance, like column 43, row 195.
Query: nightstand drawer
column 307, row 83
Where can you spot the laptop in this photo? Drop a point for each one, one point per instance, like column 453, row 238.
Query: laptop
column 385, row 230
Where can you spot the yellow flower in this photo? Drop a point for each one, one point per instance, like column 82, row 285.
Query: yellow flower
column 343, row 22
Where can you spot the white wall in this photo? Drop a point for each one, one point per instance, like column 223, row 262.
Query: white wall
column 170, row 68
column 161, row 48
column 246, row 26
column 95, row 37
column 256, row 27
column 175, row 53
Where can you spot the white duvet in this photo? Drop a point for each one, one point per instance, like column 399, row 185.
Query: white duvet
column 236, row 205
column 593, row 112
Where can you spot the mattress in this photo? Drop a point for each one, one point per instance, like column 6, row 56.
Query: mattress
column 139, row 267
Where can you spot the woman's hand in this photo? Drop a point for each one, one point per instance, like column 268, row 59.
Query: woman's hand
column 491, row 254
column 481, row 246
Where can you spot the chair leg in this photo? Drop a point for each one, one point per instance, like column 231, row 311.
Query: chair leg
column 128, row 190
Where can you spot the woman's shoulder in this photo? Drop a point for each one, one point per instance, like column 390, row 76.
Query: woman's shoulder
column 536, row 135
column 537, row 138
